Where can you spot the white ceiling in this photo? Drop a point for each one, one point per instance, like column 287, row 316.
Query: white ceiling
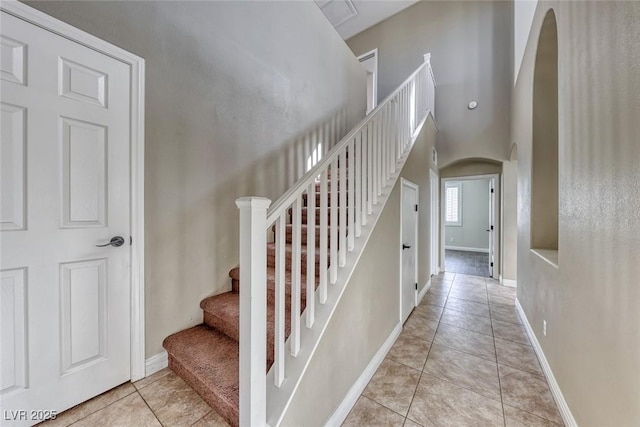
column 349, row 17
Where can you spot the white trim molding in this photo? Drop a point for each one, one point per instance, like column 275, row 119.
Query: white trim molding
column 137, row 67
column 509, row 283
column 464, row 248
column 156, row 363
column 565, row 411
column 340, row 414
column 423, row 292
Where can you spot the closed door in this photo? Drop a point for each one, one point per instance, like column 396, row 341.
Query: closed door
column 65, row 181
column 435, row 252
column 409, row 246
column 491, row 228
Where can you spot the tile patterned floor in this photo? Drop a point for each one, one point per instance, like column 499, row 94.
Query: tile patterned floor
column 161, row 399
column 462, row 359
column 465, row 262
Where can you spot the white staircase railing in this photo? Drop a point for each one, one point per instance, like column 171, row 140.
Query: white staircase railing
column 360, row 166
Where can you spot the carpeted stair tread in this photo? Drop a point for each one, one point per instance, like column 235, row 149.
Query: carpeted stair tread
column 209, row 362
column 305, row 212
column 288, row 248
column 305, row 196
column 271, row 281
column 222, row 313
column 303, row 234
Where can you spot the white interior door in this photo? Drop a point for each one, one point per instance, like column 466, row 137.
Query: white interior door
column 369, row 61
column 409, row 233
column 65, row 181
column 435, row 209
column 491, row 228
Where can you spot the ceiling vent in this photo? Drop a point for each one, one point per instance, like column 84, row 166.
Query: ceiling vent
column 337, row 11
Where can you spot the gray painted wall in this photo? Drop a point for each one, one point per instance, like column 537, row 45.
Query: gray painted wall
column 471, row 55
column 233, row 92
column 475, row 217
column 591, row 300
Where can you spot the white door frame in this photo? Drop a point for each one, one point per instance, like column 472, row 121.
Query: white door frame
column 497, row 269
column 406, row 183
column 35, row 17
column 434, row 223
column 369, row 60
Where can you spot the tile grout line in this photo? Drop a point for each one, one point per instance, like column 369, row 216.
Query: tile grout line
column 426, row 359
column 504, row 417
column 104, row 407
column 147, row 403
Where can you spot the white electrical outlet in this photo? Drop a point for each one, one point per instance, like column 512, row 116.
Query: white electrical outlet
column 544, row 328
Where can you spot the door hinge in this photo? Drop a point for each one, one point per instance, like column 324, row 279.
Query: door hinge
column 130, row 240
column 416, row 208
column 416, row 286
column 492, row 227
column 491, row 264
column 492, row 190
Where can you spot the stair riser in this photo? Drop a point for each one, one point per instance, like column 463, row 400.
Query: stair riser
column 304, row 215
column 318, row 198
column 231, row 329
column 271, row 296
column 228, row 412
column 271, row 261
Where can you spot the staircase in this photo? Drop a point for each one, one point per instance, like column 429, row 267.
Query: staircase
column 255, row 342
column 192, row 351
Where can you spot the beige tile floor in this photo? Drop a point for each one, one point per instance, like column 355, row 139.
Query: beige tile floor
column 462, row 359
column 161, row 399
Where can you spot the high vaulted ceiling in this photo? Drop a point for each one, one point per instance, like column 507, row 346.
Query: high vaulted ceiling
column 350, row 17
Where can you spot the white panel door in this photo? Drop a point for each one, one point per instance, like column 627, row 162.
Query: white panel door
column 65, row 157
column 491, row 229
column 435, row 223
column 409, row 243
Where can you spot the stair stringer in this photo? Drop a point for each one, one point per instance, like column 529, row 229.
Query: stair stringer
column 280, row 398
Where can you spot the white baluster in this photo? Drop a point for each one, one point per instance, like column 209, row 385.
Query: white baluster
column 369, row 169
column 351, row 196
column 280, row 292
column 357, row 175
column 296, row 273
column 253, row 310
column 333, row 224
column 324, row 232
column 342, row 222
column 310, row 310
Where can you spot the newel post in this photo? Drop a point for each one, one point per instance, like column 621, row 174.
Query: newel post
column 253, row 310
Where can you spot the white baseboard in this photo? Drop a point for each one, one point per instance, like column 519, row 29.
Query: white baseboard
column 156, row 363
column 565, row 412
column 423, row 292
column 510, row 283
column 462, row 248
column 340, row 414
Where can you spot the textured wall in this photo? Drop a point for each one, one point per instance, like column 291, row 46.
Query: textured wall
column 591, row 300
column 370, row 306
column 233, row 90
column 471, row 54
column 523, row 12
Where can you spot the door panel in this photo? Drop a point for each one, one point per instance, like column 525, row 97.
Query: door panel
column 435, row 252
column 409, row 248
column 65, row 189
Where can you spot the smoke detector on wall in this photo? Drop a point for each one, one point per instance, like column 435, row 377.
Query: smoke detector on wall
column 472, row 105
